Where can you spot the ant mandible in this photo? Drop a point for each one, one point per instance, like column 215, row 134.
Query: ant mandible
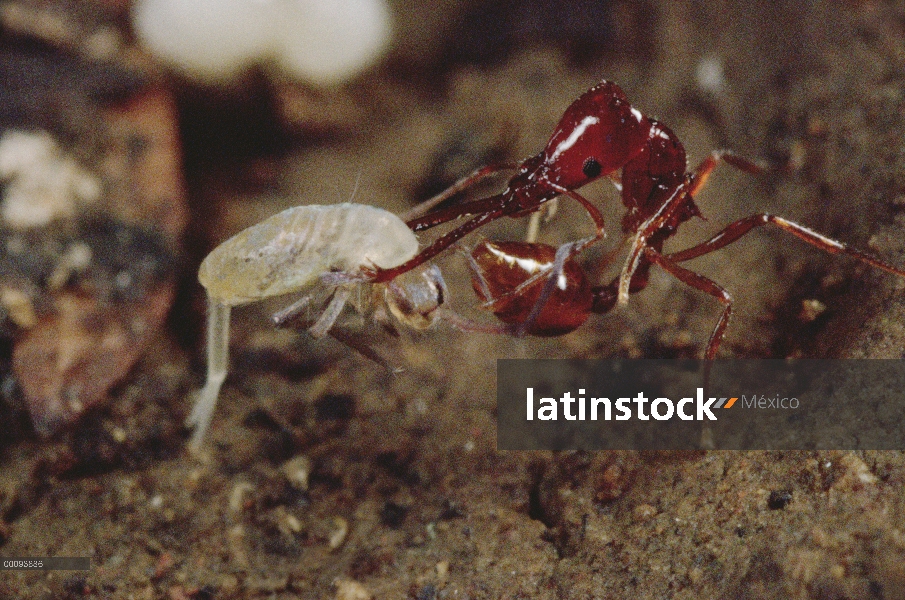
column 599, row 134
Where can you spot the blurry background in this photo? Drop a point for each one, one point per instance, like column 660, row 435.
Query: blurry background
column 135, row 138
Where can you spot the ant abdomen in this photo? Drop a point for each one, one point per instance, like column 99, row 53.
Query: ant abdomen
column 509, row 278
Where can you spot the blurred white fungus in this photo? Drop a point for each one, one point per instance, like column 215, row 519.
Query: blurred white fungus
column 42, row 183
column 710, row 75
column 320, row 41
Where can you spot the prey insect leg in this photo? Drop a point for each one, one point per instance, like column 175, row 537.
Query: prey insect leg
column 283, row 316
column 331, row 313
column 218, row 315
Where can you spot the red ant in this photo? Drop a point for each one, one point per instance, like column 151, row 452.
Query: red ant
column 599, row 134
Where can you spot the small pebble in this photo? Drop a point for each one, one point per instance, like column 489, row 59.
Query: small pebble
column 442, row 571
column 644, row 512
column 339, row 533
column 237, row 496
column 348, row 589
column 811, row 309
column 297, row 470
column 18, row 305
column 779, row 499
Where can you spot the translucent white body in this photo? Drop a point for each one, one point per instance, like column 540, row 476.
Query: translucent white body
column 292, row 249
column 287, row 253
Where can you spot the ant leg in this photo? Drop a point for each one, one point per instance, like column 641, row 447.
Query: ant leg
column 545, row 214
column 593, row 212
column 552, row 206
column 704, row 284
column 629, row 268
column 282, row 316
column 647, row 229
column 463, row 184
column 439, row 245
column 330, row 314
column 702, row 173
column 739, row 228
column 445, row 215
column 218, row 315
column 533, row 227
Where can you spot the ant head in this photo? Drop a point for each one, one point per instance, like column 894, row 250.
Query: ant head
column 415, row 296
column 596, row 136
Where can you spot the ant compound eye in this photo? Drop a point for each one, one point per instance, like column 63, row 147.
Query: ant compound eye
column 591, row 168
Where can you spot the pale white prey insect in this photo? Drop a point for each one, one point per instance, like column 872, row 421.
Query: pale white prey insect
column 295, row 250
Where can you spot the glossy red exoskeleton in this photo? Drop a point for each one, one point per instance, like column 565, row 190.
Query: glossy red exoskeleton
column 599, row 135
column 510, row 277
